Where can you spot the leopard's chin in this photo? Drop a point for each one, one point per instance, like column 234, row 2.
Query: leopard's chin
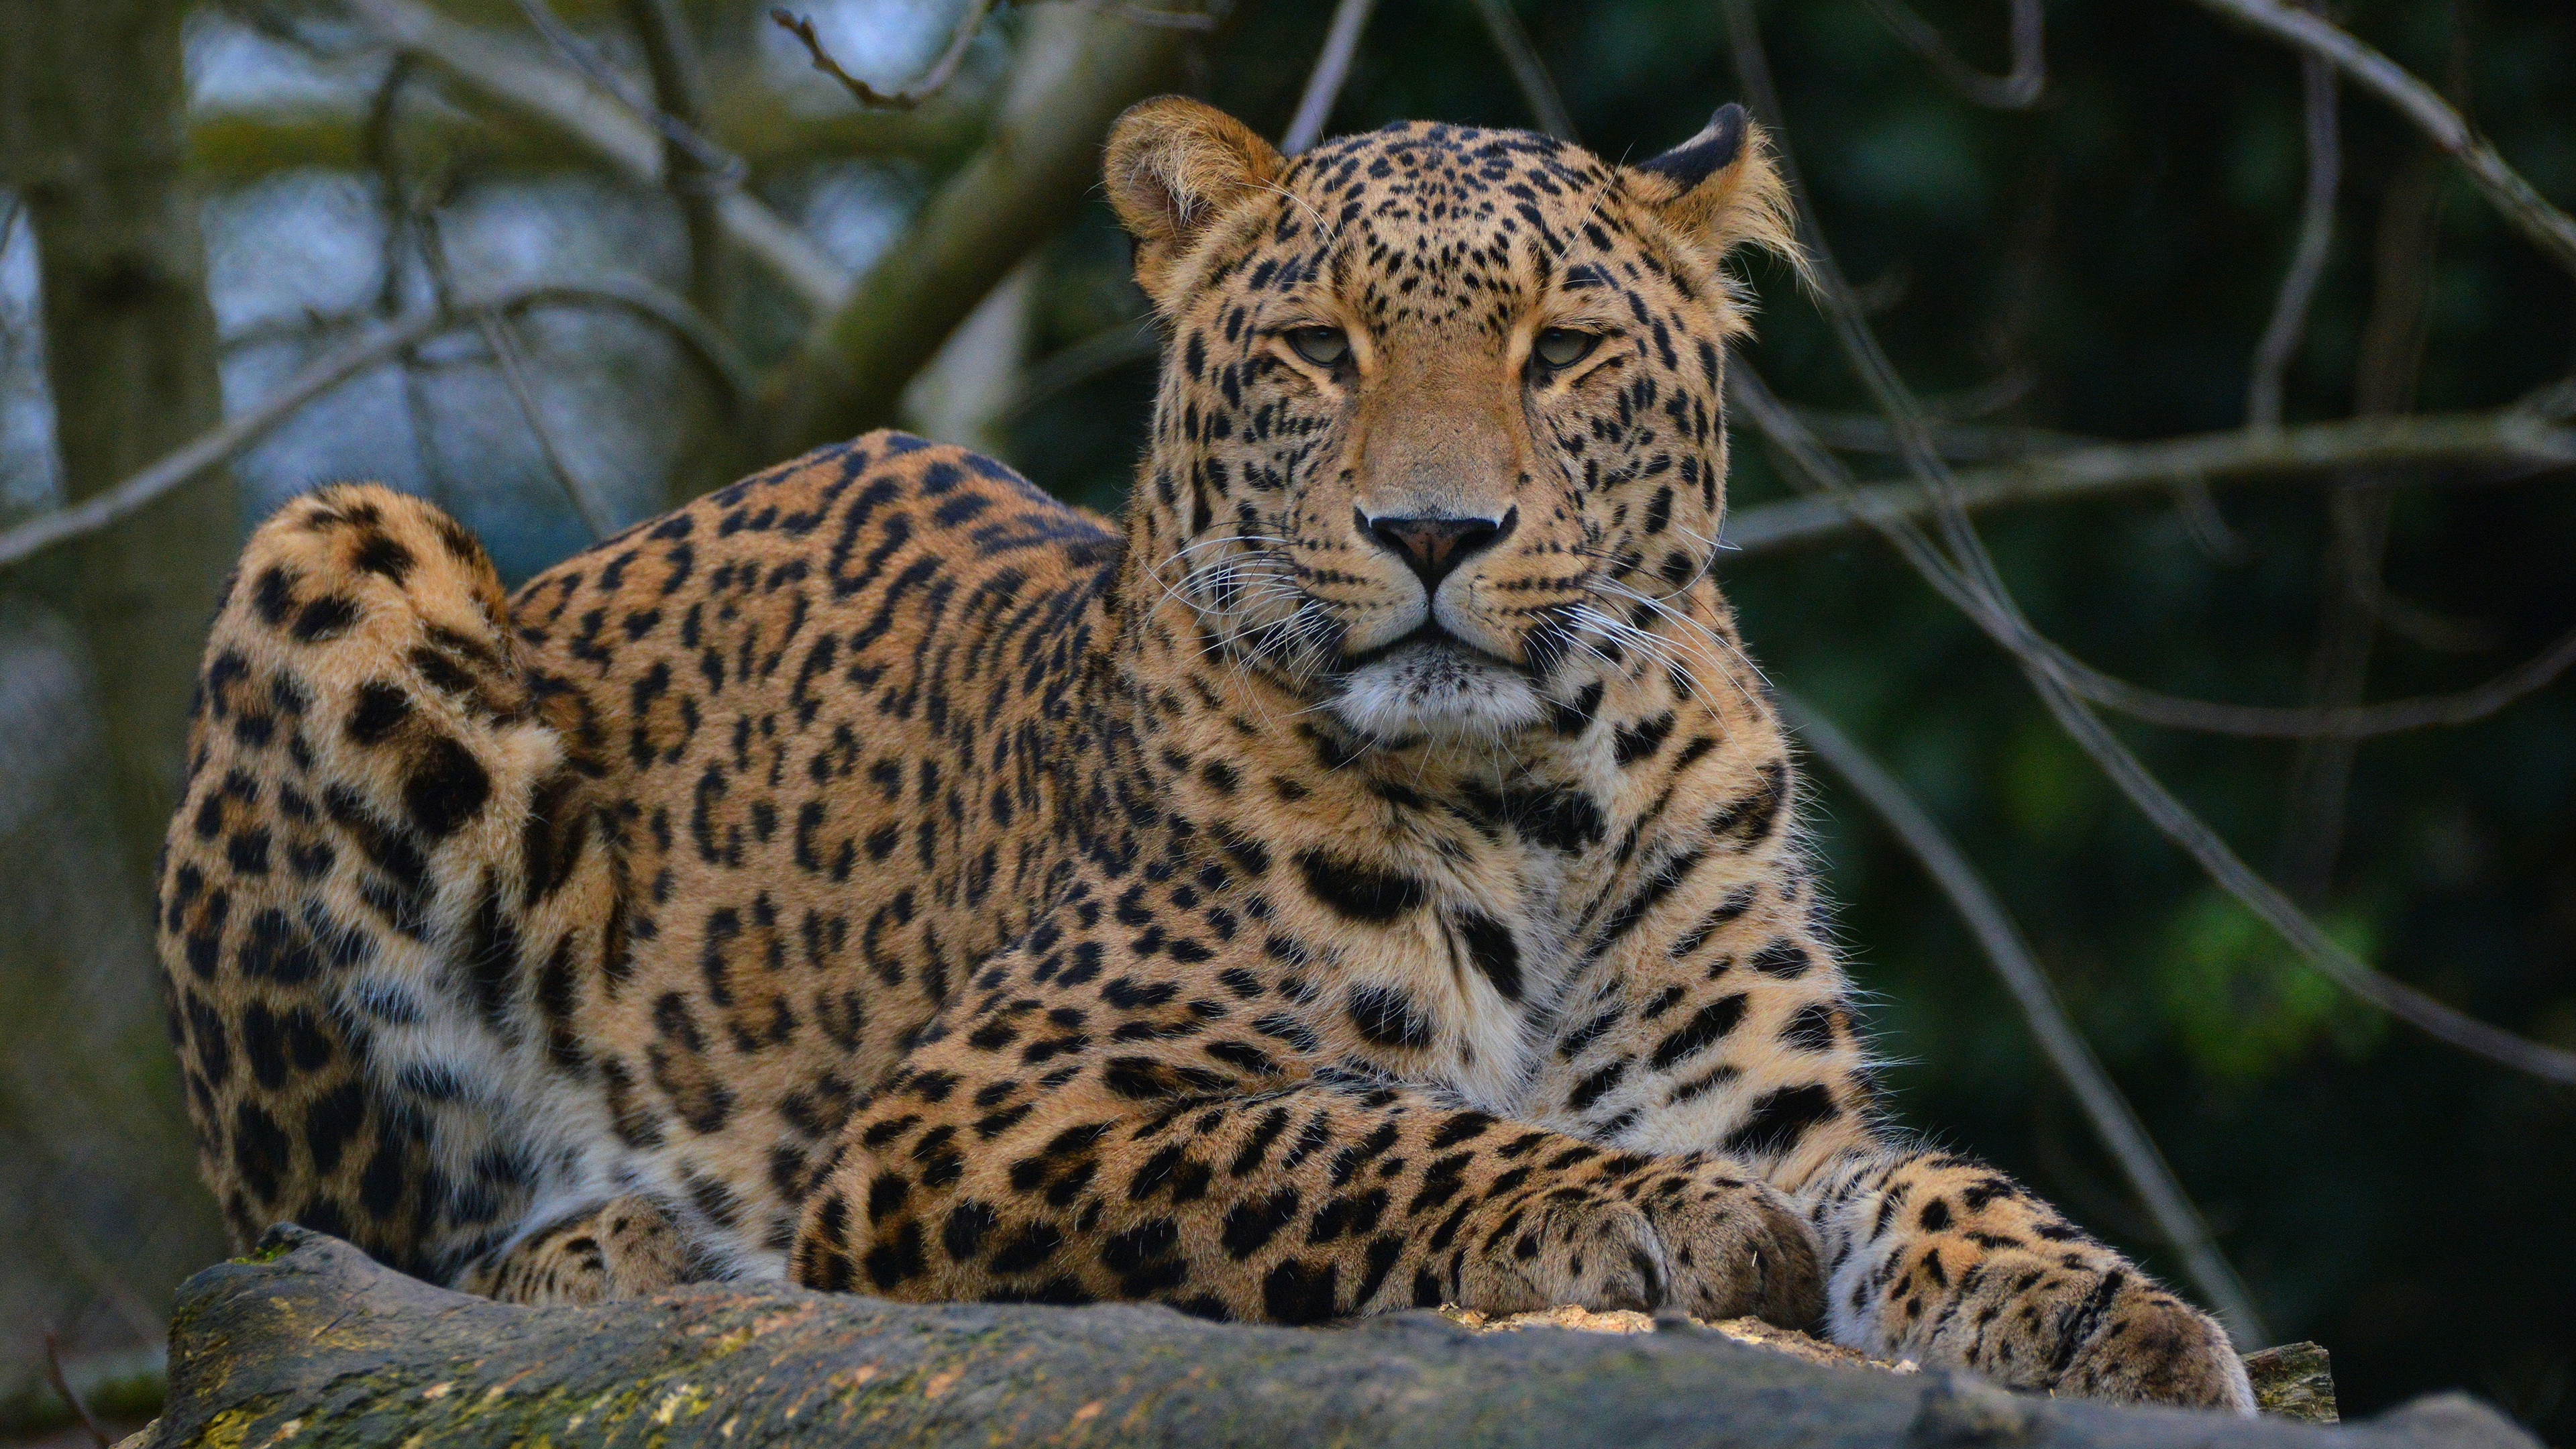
column 1436, row 691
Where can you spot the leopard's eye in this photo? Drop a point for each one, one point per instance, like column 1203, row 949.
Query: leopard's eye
column 1322, row 346
column 1564, row 347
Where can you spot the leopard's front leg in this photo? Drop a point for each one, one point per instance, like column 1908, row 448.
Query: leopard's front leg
column 1944, row 1259
column 1251, row 1195
column 1711, row 1015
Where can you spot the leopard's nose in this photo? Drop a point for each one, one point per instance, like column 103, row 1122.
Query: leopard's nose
column 1434, row 547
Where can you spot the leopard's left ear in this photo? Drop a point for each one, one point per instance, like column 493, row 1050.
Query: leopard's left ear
column 1175, row 165
column 1721, row 189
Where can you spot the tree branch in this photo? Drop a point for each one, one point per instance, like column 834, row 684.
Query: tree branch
column 1820, row 470
column 2306, row 455
column 2289, row 324
column 2017, row 91
column 243, row 431
column 1332, row 70
column 2064, row 1047
column 2348, row 625
column 1538, row 89
column 2550, row 229
column 1968, row 578
column 932, row 80
column 759, row 123
column 309, row 1331
column 498, row 72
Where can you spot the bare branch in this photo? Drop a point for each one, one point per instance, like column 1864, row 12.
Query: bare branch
column 2509, row 443
column 2392, row 353
column 514, row 372
column 1538, row 90
column 240, row 433
column 2552, row 230
column 1118, row 345
column 2289, row 324
column 63, row 1386
column 721, row 167
column 1853, row 432
column 2114, row 1122
column 1332, row 70
column 1815, row 467
column 2017, row 91
column 500, row 73
column 940, row 73
column 1146, row 15
column 1889, row 506
column 1967, row 577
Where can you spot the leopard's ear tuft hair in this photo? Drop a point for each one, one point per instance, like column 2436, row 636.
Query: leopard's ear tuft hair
column 1174, row 166
column 1722, row 190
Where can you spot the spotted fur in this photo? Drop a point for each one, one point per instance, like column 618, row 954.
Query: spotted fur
column 1364, row 879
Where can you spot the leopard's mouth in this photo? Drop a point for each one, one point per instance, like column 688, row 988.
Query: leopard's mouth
column 1429, row 635
column 1432, row 685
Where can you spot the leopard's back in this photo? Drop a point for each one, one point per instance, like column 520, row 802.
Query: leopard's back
column 481, row 913
column 819, row 704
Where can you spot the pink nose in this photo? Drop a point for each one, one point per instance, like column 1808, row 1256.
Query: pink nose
column 1434, row 547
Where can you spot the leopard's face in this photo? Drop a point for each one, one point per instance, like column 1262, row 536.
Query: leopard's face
column 1439, row 427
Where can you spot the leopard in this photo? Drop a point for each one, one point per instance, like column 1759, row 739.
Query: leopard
column 1363, row 876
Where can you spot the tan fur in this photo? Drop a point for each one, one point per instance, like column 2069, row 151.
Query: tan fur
column 881, row 875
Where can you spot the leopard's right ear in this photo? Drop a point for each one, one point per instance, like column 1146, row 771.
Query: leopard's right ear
column 1174, row 166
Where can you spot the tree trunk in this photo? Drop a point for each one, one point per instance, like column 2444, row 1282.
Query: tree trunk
column 310, row 1340
column 91, row 107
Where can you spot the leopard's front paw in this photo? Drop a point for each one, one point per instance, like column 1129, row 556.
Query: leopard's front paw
column 2146, row 1346
column 1738, row 1250
column 1688, row 1237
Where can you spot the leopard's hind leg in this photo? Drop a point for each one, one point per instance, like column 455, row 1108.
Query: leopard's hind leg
column 382, row 898
column 622, row 1248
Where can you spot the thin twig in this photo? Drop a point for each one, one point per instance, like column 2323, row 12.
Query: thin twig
column 2392, row 354
column 109, row 1280
column 514, row 373
column 1969, row 579
column 1538, row 89
column 383, row 154
column 1147, row 15
column 1855, row 432
column 2505, row 444
column 244, row 431
column 2114, row 1122
column 1120, row 344
column 2552, row 230
column 505, row 353
column 1817, row 468
column 2289, row 324
column 1332, row 70
column 63, row 1386
column 1967, row 574
column 939, row 74
column 719, row 167
column 1809, row 459
column 2017, row 91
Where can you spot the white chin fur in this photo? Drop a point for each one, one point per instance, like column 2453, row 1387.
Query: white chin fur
column 1431, row 691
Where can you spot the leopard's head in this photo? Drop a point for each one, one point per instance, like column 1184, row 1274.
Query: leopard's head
column 1439, row 419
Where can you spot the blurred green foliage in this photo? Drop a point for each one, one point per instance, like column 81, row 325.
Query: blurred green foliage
column 2103, row 264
